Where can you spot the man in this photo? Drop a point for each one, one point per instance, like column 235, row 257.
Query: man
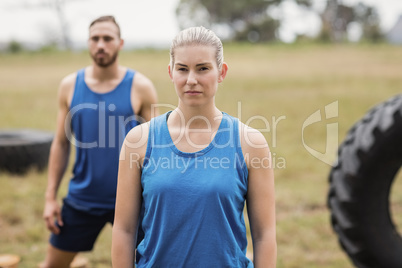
column 99, row 105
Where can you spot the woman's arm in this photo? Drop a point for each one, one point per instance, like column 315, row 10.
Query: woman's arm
column 260, row 198
column 128, row 199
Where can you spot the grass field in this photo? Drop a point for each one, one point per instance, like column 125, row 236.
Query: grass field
column 281, row 84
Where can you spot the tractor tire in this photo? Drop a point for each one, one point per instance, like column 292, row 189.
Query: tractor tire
column 368, row 160
column 22, row 150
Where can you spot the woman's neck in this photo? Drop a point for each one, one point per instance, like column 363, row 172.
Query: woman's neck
column 196, row 117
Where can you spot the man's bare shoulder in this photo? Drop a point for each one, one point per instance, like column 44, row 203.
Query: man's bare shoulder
column 66, row 89
column 144, row 95
column 67, row 85
column 142, row 83
column 69, row 80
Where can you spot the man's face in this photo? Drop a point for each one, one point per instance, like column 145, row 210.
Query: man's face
column 104, row 43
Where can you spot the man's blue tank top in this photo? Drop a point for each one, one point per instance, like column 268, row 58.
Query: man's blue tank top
column 99, row 123
column 193, row 202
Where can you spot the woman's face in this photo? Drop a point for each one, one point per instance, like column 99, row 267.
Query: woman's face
column 195, row 74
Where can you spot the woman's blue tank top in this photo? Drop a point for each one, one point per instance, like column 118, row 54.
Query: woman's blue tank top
column 193, row 202
column 99, row 123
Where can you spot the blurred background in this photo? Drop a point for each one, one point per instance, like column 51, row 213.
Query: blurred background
column 34, row 24
column 287, row 60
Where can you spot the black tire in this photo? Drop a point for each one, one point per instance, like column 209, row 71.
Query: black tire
column 22, row 150
column 360, row 183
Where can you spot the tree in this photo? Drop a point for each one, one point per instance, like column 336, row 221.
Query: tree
column 335, row 20
column 235, row 19
column 369, row 19
column 257, row 31
column 14, row 47
column 337, row 17
column 59, row 6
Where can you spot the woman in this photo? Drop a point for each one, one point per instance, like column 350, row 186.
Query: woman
column 185, row 176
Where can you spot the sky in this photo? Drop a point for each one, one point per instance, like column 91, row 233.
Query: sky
column 147, row 23
column 150, row 22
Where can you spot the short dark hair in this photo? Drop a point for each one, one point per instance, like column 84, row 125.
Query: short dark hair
column 106, row 18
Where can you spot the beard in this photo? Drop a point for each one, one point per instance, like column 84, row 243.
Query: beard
column 106, row 61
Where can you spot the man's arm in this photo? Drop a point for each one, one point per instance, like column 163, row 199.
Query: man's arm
column 260, row 198
column 145, row 96
column 58, row 158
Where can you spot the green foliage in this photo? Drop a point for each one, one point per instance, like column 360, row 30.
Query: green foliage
column 337, row 17
column 229, row 11
column 325, row 35
column 259, row 31
column 306, row 3
column 244, row 20
column 369, row 19
column 52, row 47
column 15, row 47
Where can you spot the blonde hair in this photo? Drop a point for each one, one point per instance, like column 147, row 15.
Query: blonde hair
column 197, row 36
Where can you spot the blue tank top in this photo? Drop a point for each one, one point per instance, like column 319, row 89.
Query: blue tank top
column 99, row 123
column 193, row 202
